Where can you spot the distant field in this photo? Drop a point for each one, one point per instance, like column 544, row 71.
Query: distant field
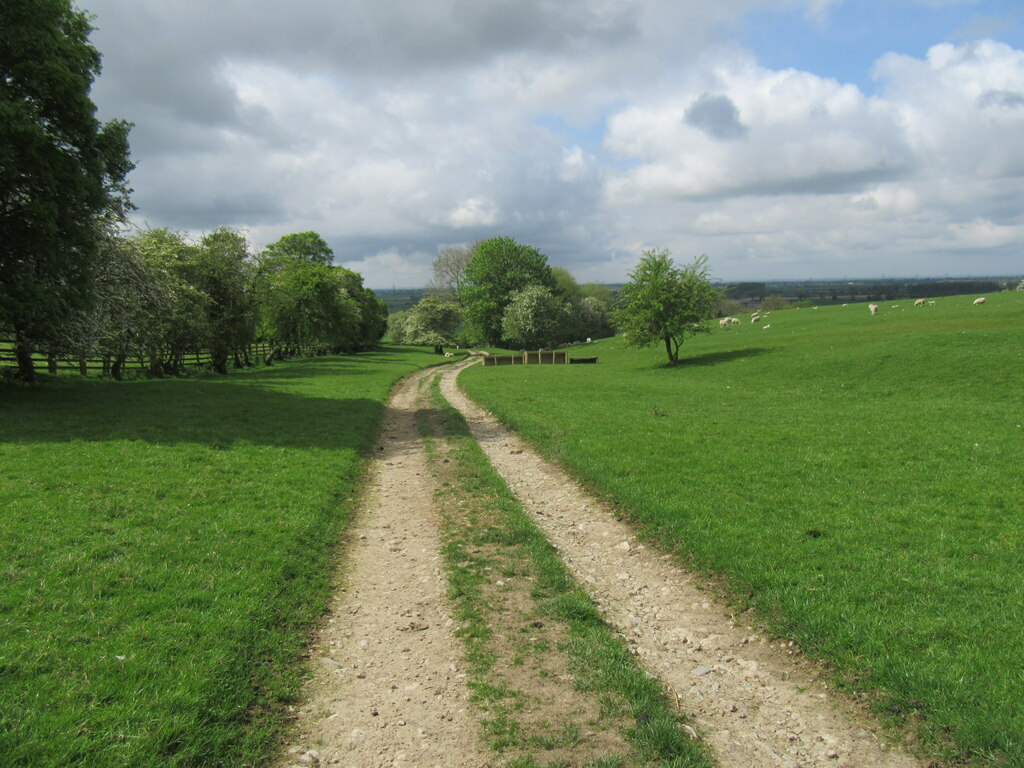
column 856, row 480
column 164, row 546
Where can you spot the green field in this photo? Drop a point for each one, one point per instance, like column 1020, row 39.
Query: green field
column 856, row 480
column 164, row 547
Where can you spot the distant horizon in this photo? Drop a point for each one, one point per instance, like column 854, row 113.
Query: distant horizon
column 1012, row 276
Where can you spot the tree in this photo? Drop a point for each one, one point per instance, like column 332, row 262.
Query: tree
column 590, row 319
column 305, row 304
column 221, row 268
column 450, row 266
column 433, row 321
column 663, row 303
column 303, row 245
column 534, row 318
column 62, row 172
column 598, row 291
column 499, row 268
column 134, row 298
column 566, row 285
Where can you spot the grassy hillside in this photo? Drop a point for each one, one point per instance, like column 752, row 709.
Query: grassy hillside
column 164, row 545
column 855, row 479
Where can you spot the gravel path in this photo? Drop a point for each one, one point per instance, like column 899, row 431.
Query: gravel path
column 757, row 704
column 386, row 689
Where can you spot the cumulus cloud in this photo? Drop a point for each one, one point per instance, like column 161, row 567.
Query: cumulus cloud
column 589, row 130
column 717, row 116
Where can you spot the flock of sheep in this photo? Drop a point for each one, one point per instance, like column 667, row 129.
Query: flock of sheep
column 873, row 308
column 725, row 322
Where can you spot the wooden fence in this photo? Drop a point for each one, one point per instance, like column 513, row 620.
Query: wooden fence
column 86, row 366
column 540, row 357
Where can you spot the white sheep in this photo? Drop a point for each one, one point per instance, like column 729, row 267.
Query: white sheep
column 755, row 318
column 449, row 354
column 766, row 326
column 979, row 301
column 873, row 309
column 734, row 320
column 919, row 303
column 723, row 323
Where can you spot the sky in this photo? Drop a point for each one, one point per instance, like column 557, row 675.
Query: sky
column 785, row 139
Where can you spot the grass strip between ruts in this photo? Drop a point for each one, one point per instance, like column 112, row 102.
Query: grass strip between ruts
column 557, row 685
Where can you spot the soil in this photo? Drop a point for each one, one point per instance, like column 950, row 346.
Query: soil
column 387, row 688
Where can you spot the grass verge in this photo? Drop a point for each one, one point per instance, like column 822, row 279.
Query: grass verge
column 165, row 546
column 557, row 686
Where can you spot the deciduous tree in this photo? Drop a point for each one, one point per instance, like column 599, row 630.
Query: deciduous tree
column 535, row 318
column 62, row 172
column 663, row 303
column 499, row 268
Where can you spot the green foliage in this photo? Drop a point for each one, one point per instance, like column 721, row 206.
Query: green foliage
column 434, row 321
column 566, row 285
column 856, row 482
column 663, row 303
column 162, row 568
column 62, row 173
column 304, row 303
column 499, row 268
column 534, row 318
column 221, row 269
column 302, row 245
column 598, row 291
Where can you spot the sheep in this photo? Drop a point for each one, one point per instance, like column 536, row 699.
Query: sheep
column 755, row 318
column 449, row 354
column 919, row 303
column 734, row 320
column 873, row 309
column 931, row 303
column 723, row 323
column 766, row 326
column 588, row 340
column 979, row 301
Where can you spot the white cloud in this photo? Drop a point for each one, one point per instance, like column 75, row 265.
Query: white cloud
column 392, row 127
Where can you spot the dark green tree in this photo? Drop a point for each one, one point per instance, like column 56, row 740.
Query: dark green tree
column 221, row 267
column 664, row 303
column 62, row 173
column 499, row 268
column 304, row 245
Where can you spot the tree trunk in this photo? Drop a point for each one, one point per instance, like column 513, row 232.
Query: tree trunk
column 51, row 364
column 26, row 368
column 83, row 366
column 672, row 358
column 117, row 370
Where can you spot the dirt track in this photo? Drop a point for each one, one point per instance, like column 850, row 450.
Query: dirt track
column 387, row 690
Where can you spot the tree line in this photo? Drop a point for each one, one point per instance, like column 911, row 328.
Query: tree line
column 499, row 292
column 74, row 284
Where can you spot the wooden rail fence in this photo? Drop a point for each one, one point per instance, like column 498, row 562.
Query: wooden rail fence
column 540, row 357
column 102, row 365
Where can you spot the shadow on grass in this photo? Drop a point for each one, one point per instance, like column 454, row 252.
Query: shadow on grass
column 714, row 358
column 217, row 413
